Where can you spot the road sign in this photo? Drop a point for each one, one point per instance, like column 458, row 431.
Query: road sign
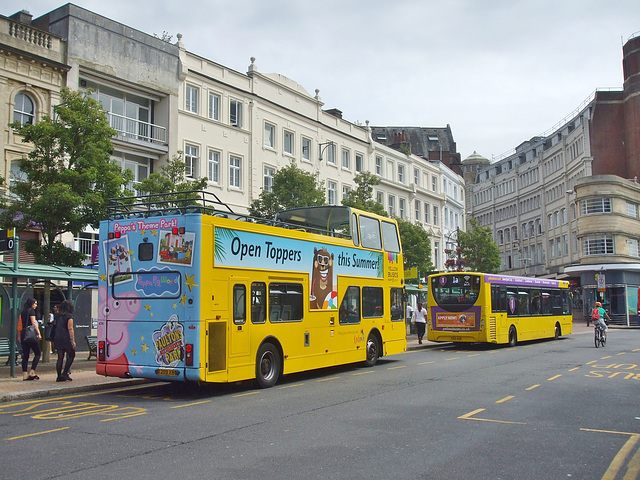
column 7, row 238
column 601, row 282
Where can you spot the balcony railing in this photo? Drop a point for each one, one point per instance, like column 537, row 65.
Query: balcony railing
column 132, row 128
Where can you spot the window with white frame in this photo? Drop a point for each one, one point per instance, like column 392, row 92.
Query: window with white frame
column 24, row 109
column 345, row 191
column 288, row 142
column 191, row 160
column 378, row 165
column 416, row 176
column 434, row 183
column 435, row 215
column 418, row 214
column 269, row 135
column 268, row 179
column 359, row 162
column 332, row 188
column 346, row 159
column 392, row 206
column 380, row 198
column 595, row 205
column 402, row 208
column 235, row 113
column 214, row 167
column 191, row 99
column 597, row 245
column 632, row 209
column 138, row 165
column 400, row 173
column 235, row 171
column 86, row 241
column 634, row 248
column 427, row 208
column 563, row 213
column 214, row 106
column 331, row 153
column 565, row 244
column 306, row 149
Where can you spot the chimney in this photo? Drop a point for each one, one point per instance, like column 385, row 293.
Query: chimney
column 22, row 16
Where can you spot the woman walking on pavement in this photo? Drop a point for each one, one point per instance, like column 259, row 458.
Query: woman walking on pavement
column 64, row 340
column 421, row 321
column 28, row 318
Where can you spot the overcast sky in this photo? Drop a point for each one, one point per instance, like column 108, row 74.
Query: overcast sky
column 498, row 71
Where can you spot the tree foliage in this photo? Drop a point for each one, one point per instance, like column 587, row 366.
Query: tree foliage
column 171, row 179
column 65, row 181
column 480, row 252
column 362, row 196
column 416, row 246
column 292, row 187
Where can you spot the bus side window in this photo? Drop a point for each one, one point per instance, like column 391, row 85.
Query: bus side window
column 350, row 306
column 145, row 252
column 566, row 302
column 239, row 304
column 258, row 302
column 546, row 303
column 370, row 233
column 372, row 302
column 285, row 302
column 536, row 302
column 397, row 304
column 512, row 301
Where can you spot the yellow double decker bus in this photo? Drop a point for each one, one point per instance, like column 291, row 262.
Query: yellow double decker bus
column 469, row 307
column 197, row 293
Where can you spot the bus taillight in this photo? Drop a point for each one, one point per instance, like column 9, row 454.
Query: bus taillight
column 101, row 351
column 188, row 350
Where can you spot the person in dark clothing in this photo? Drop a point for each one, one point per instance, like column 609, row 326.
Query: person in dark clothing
column 64, row 340
column 28, row 317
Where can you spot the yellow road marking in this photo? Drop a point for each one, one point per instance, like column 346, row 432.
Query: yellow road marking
column 532, row 387
column 505, row 399
column 327, row 379
column 574, row 369
column 38, row 433
column 426, row 363
column 473, row 355
column 591, row 362
column 553, row 378
column 191, row 404
column 291, row 386
column 363, row 373
column 604, row 358
column 453, row 358
column 245, row 394
column 621, row 353
column 399, row 366
column 468, row 416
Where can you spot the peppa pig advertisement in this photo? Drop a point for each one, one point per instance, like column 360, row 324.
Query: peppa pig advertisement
column 148, row 296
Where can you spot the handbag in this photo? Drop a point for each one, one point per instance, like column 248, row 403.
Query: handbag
column 30, row 335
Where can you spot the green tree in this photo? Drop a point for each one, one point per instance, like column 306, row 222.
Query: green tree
column 480, row 252
column 416, row 246
column 292, row 187
column 170, row 180
column 65, row 181
column 362, row 197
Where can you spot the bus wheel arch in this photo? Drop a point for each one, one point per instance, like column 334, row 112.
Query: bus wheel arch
column 374, row 348
column 269, row 363
column 557, row 331
column 513, row 336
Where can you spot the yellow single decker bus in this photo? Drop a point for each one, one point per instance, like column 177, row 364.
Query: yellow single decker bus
column 469, row 307
column 190, row 291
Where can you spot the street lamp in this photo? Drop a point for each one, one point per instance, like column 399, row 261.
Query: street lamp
column 322, row 147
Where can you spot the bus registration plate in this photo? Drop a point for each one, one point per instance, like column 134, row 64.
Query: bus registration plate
column 456, row 338
column 166, row 372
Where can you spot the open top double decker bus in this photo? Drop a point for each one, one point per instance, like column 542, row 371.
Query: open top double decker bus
column 469, row 307
column 190, row 291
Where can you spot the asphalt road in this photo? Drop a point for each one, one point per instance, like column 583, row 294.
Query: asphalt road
column 543, row 410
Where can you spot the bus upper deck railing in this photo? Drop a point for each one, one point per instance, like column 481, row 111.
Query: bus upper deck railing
column 195, row 201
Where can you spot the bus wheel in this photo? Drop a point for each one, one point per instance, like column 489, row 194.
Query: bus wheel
column 513, row 336
column 373, row 350
column 268, row 366
column 558, row 332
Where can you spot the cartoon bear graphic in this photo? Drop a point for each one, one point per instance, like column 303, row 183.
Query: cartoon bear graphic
column 321, row 277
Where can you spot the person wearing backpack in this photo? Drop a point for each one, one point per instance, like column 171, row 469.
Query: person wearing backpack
column 598, row 315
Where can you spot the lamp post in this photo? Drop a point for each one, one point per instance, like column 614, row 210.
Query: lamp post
column 322, row 147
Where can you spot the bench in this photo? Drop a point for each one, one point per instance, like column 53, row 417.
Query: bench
column 4, row 350
column 92, row 343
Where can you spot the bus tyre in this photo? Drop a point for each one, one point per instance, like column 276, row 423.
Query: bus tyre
column 513, row 336
column 373, row 350
column 268, row 366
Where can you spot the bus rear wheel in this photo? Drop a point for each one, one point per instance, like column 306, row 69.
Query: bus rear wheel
column 373, row 350
column 513, row 336
column 268, row 366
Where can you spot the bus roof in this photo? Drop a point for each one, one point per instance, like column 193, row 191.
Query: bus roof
column 497, row 279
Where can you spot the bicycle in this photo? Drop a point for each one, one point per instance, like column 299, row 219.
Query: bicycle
column 599, row 338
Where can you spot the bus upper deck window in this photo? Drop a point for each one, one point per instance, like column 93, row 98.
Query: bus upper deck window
column 145, row 252
column 370, row 232
column 390, row 237
column 354, row 229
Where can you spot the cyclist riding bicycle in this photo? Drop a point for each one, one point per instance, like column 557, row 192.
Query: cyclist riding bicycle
column 602, row 314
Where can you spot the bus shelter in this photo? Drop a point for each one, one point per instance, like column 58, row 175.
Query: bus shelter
column 31, row 274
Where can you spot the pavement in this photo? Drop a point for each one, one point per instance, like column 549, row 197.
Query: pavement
column 85, row 378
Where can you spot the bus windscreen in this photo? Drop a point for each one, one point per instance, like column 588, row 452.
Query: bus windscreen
column 455, row 292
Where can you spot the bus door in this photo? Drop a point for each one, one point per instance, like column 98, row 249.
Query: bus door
column 239, row 334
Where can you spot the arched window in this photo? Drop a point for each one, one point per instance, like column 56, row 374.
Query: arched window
column 24, row 110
